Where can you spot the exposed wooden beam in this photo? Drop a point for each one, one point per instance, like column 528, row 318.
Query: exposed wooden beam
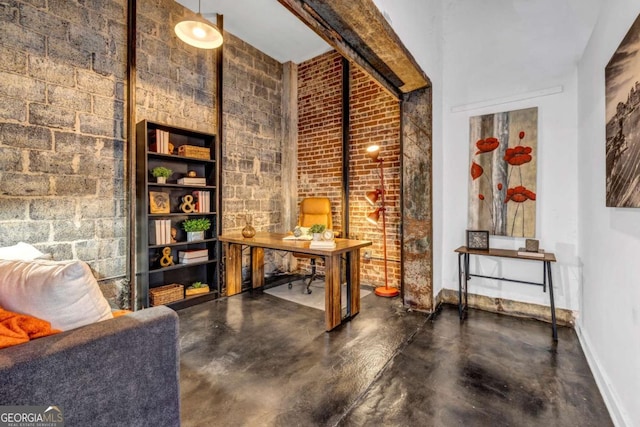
column 357, row 30
column 314, row 21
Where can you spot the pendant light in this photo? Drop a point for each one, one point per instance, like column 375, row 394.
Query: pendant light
column 199, row 32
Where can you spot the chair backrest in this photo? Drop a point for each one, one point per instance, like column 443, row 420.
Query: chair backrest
column 315, row 210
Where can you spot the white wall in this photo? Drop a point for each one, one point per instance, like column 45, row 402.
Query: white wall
column 609, row 237
column 500, row 56
column 498, row 49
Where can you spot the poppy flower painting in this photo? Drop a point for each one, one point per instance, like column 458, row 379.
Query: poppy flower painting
column 503, row 173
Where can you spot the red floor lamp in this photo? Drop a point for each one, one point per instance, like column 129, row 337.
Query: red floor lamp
column 373, row 152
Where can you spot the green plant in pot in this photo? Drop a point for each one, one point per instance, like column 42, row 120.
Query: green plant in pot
column 316, row 230
column 197, row 288
column 195, row 228
column 161, row 173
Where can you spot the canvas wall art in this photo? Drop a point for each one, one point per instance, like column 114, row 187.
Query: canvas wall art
column 503, row 173
column 622, row 81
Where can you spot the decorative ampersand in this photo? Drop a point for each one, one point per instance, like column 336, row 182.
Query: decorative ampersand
column 166, row 259
column 187, row 205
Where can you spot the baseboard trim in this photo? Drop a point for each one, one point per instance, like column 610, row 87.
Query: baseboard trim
column 564, row 317
column 618, row 415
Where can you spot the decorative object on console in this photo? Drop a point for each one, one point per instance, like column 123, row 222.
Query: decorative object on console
column 622, row 85
column 248, row 231
column 537, row 254
column 531, row 245
column 160, row 173
column 503, row 164
column 159, row 202
column 328, row 234
column 478, row 240
column 373, row 152
column 192, row 174
column 199, row 32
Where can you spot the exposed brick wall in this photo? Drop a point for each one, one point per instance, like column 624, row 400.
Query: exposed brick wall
column 320, row 131
column 62, row 71
column 374, row 118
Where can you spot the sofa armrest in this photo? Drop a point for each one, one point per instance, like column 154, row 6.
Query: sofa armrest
column 123, row 371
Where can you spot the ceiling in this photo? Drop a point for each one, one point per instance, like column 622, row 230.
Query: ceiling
column 266, row 25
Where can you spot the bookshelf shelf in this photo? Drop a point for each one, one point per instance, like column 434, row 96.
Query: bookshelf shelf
column 155, row 229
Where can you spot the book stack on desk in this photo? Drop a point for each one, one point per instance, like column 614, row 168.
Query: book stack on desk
column 322, row 244
column 524, row 252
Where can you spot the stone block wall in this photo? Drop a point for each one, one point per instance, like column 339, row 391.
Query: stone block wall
column 374, row 118
column 175, row 82
column 252, row 149
column 62, row 123
column 62, row 79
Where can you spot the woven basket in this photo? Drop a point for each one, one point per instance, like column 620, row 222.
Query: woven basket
column 194, row 151
column 166, row 294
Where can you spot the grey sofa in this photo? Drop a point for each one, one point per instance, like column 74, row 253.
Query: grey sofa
column 119, row 372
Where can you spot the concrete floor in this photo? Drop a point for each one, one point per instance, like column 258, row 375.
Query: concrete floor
column 256, row 360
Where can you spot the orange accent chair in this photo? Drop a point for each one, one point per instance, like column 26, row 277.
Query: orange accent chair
column 313, row 210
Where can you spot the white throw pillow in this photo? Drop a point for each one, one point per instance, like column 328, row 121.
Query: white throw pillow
column 64, row 293
column 22, row 251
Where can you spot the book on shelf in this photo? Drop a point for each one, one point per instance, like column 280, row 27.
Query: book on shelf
column 193, row 253
column 160, row 232
column 322, row 244
column 524, row 252
column 192, row 181
column 161, row 144
column 194, row 260
column 203, row 201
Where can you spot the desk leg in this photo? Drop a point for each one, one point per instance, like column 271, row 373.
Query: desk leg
column 332, row 309
column 257, row 267
column 233, row 268
column 460, row 285
column 353, row 282
column 553, row 306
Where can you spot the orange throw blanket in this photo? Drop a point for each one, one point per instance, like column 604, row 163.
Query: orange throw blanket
column 19, row 328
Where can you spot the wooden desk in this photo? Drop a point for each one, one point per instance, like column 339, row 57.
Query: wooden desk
column 351, row 248
column 463, row 266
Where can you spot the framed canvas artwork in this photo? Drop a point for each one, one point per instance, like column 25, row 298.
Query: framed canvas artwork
column 622, row 81
column 503, row 173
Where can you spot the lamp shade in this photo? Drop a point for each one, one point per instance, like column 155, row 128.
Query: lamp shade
column 372, row 197
column 374, row 216
column 199, row 33
column 373, row 151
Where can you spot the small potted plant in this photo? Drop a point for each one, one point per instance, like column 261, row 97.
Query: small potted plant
column 195, row 228
column 316, row 230
column 197, row 288
column 161, row 174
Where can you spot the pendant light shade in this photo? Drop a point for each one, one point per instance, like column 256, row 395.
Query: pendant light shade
column 199, row 32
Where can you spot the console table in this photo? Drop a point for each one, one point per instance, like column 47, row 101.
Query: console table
column 333, row 289
column 463, row 267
